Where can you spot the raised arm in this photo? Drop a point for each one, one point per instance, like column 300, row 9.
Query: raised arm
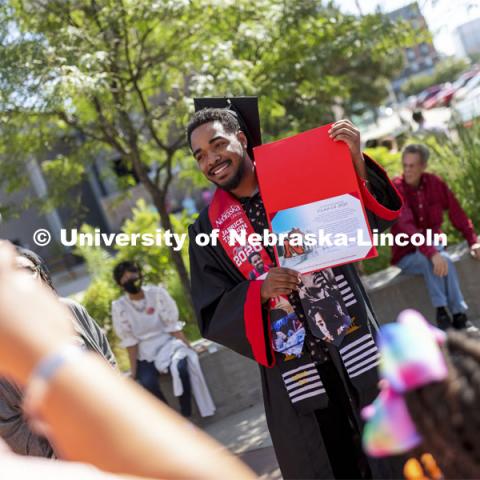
column 92, row 413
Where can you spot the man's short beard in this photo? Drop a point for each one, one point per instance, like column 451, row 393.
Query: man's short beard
column 234, row 182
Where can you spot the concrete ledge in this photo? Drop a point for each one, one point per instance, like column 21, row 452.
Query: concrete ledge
column 234, row 381
column 391, row 292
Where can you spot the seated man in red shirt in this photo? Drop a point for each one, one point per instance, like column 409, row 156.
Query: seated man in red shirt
column 426, row 197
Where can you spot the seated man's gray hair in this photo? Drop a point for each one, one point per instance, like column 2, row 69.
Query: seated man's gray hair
column 419, row 149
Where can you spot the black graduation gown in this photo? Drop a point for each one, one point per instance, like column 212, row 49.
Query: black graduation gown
column 229, row 312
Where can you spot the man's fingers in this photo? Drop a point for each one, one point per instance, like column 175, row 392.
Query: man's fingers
column 441, row 270
column 284, row 273
column 444, row 268
column 282, row 291
column 284, row 284
column 285, row 278
column 342, row 138
column 343, row 121
column 286, row 270
column 343, row 125
column 343, row 128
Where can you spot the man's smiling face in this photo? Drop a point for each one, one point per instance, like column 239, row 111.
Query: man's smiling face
column 221, row 155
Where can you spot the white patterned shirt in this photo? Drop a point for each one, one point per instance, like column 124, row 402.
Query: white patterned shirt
column 147, row 323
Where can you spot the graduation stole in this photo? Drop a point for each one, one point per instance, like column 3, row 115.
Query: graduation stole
column 326, row 312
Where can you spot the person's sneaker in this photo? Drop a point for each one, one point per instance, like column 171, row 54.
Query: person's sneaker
column 461, row 322
column 444, row 321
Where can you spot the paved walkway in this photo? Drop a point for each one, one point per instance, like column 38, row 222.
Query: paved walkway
column 246, row 435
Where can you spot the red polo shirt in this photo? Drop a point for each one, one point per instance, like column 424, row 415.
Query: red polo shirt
column 423, row 209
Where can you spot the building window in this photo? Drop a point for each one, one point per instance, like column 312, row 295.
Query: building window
column 425, row 49
column 410, row 54
column 414, row 66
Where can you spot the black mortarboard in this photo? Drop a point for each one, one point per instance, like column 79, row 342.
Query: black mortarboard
column 246, row 111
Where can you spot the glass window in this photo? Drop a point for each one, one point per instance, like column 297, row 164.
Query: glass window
column 424, row 48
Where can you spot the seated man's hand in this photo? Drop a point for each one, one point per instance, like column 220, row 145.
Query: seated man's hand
column 475, row 251
column 440, row 265
column 279, row 281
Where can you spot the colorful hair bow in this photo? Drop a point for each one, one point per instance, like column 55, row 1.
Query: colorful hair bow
column 410, row 357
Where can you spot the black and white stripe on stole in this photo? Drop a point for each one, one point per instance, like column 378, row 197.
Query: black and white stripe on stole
column 346, row 291
column 303, row 382
column 360, row 355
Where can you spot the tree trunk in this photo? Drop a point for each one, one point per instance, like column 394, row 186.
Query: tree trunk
column 176, row 256
column 158, row 197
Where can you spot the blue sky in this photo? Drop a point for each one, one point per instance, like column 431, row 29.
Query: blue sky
column 442, row 16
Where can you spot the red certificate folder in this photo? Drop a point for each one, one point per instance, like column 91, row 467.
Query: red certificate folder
column 304, row 169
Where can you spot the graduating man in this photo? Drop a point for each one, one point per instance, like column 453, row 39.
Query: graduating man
column 313, row 392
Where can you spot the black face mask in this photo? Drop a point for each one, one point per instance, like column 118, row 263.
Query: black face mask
column 134, row 285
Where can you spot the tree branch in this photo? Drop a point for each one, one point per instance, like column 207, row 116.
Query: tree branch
column 108, row 131
column 138, row 91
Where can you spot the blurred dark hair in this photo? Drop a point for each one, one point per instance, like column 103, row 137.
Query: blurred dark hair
column 207, row 115
column 447, row 414
column 126, row 266
column 417, row 116
column 388, row 142
column 371, row 143
column 39, row 263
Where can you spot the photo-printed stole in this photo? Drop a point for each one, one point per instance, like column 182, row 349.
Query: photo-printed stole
column 358, row 351
column 226, row 214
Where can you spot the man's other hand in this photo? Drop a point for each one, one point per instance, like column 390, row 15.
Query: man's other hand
column 279, row 281
column 475, row 251
column 440, row 265
column 346, row 131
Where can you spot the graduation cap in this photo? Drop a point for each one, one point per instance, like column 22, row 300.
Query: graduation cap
column 245, row 109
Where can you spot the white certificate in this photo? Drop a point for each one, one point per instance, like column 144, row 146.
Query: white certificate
column 322, row 234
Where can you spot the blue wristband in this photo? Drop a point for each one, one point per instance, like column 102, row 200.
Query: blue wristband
column 48, row 366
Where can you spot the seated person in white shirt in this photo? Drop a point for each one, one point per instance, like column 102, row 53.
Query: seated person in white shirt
column 146, row 321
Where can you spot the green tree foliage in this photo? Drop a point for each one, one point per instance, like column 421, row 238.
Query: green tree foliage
column 445, row 71
column 83, row 78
